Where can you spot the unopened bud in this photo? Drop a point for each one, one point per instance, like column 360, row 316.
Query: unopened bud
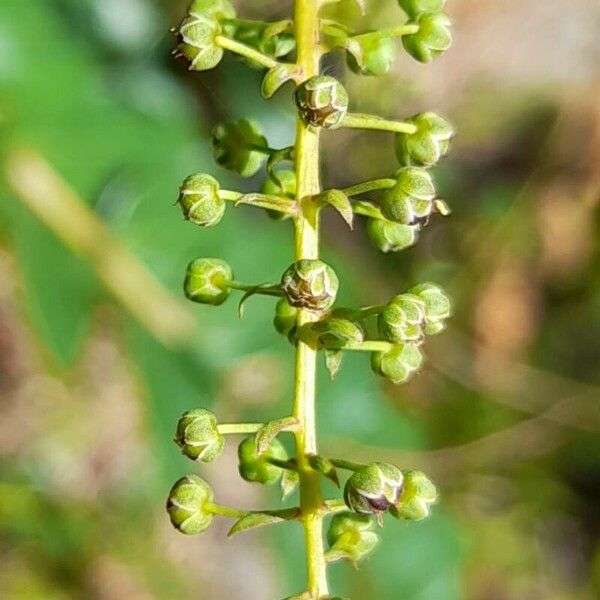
column 187, row 505
column 437, row 306
column 428, row 144
column 402, row 319
column 389, row 236
column 198, row 436
column 310, row 284
column 397, row 364
column 322, row 101
column 197, row 36
column 411, row 198
column 373, row 489
column 431, row 40
column 257, row 468
column 371, row 55
column 238, row 146
column 200, row 201
column 350, row 536
column 207, row 281
column 418, row 494
column 414, row 8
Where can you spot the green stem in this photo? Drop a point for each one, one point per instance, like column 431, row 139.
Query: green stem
column 391, row 32
column 225, row 511
column 243, row 428
column 346, row 464
column 362, row 121
column 366, row 209
column 289, row 465
column 264, row 290
column 245, row 51
column 335, row 506
column 231, row 196
column 369, row 346
column 306, row 29
column 370, row 186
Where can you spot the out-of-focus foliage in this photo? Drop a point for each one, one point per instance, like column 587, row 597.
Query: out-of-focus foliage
column 505, row 418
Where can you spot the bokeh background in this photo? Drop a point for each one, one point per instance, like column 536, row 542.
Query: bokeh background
column 99, row 354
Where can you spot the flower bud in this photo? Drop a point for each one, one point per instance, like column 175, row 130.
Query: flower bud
column 418, row 493
column 373, row 489
column 285, row 317
column 432, row 39
column 351, row 536
column 428, row 144
column 310, row 284
column 414, row 8
column 397, row 364
column 402, row 319
column 198, row 436
column 333, row 333
column 371, row 55
column 437, row 306
column 322, row 101
column 237, row 146
column 411, row 199
column 207, row 281
column 286, row 186
column 219, row 9
column 197, row 41
column 391, row 237
column 187, row 505
column 200, row 201
column 253, row 467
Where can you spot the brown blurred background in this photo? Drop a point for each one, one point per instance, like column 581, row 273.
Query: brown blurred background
column 99, row 355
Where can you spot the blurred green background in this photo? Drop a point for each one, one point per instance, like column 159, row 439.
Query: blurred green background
column 504, row 417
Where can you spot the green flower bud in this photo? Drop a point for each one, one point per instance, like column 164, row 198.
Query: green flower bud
column 371, row 55
column 285, row 317
column 237, row 146
column 373, row 489
column 197, row 41
column 322, row 101
column 351, row 536
column 402, row 319
column 428, row 144
column 253, row 467
column 199, row 200
column 392, row 237
column 286, row 186
column 207, row 281
column 334, row 333
column 437, row 306
column 414, row 8
column 418, row 494
column 310, row 284
column 198, row 436
column 398, row 364
column 187, row 505
column 432, row 39
column 411, row 199
column 219, row 9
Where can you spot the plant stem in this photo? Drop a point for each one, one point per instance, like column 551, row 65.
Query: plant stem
column 224, row 511
column 392, row 32
column 264, row 289
column 362, row 121
column 369, row 346
column 346, row 464
column 243, row 428
column 306, row 26
column 245, row 51
column 370, row 186
column 334, row 506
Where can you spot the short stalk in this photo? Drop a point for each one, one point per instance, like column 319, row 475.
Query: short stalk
column 363, row 121
column 387, row 33
column 348, row 465
column 224, row 511
column 335, row 506
column 369, row 186
column 264, row 290
column 238, row 428
column 369, row 346
column 246, row 51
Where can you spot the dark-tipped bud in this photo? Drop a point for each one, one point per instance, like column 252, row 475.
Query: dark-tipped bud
column 373, row 489
column 197, row 36
column 322, row 101
column 432, row 39
column 397, row 364
column 257, row 468
column 207, row 281
column 414, row 8
column 437, row 306
column 392, row 237
column 198, row 436
column 418, row 494
column 237, row 146
column 428, row 144
column 187, row 505
column 310, row 284
column 351, row 536
column 403, row 319
column 200, row 201
column 371, row 55
column 411, row 199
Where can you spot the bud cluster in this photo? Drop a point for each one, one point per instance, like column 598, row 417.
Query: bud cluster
column 305, row 295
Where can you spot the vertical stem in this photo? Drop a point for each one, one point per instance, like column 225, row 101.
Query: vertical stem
column 306, row 24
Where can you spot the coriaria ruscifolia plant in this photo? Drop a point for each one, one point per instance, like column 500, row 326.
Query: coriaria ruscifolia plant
column 305, row 310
